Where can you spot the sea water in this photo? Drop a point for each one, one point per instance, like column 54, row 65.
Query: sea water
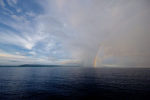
column 74, row 83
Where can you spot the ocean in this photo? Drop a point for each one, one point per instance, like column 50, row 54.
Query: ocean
column 74, row 83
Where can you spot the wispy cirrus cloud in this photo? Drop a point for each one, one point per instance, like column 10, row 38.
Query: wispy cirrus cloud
column 11, row 2
column 33, row 32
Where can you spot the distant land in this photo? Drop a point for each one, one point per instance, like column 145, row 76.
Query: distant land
column 40, row 65
column 37, row 65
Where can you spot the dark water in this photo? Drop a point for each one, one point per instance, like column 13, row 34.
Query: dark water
column 51, row 83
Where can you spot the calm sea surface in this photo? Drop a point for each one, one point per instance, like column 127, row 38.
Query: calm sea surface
column 74, row 83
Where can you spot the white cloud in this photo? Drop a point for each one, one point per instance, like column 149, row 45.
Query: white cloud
column 32, row 53
column 31, row 14
column 16, row 59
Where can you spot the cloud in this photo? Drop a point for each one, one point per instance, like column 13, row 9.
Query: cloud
column 13, row 39
column 15, row 1
column 32, row 53
column 119, row 27
column 31, row 14
column 2, row 3
column 33, row 33
column 75, row 31
column 18, row 59
column 11, row 2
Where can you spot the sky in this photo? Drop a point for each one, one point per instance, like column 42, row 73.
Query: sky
column 93, row 33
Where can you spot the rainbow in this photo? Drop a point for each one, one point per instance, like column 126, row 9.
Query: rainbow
column 96, row 57
column 95, row 61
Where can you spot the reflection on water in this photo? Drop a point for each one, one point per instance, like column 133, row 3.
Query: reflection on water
column 40, row 83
